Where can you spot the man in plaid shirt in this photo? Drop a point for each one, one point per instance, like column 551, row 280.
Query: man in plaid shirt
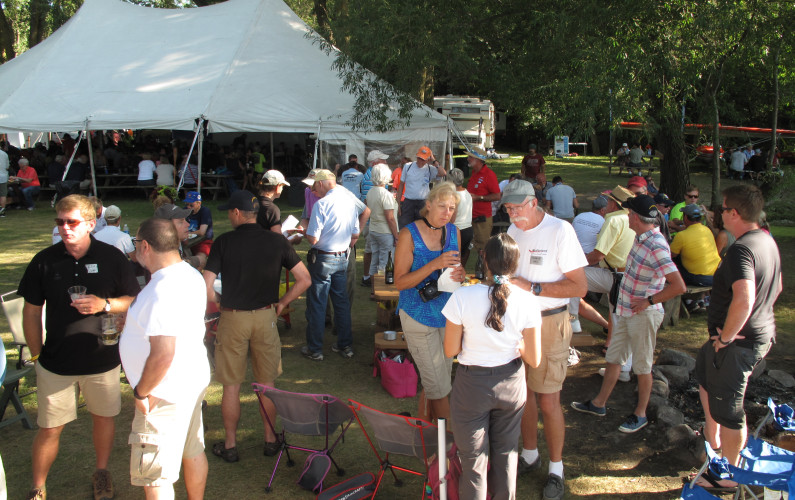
column 638, row 310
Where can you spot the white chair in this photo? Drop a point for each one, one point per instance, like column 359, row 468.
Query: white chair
column 12, row 307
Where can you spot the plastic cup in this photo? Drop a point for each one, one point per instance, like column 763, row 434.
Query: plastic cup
column 110, row 332
column 76, row 292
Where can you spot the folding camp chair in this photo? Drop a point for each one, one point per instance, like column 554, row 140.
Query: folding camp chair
column 307, row 415
column 12, row 308
column 400, row 435
column 10, row 394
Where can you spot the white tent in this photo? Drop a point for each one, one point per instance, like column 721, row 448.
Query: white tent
column 241, row 65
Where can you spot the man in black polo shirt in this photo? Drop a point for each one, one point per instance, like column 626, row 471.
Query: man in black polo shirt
column 250, row 260
column 72, row 353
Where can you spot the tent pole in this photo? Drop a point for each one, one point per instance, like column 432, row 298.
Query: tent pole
column 273, row 159
column 201, row 155
column 190, row 152
column 317, row 146
column 91, row 160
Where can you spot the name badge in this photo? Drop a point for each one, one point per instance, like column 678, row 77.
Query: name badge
column 536, row 260
column 92, row 268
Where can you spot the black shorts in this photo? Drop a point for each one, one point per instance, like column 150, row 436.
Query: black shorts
column 724, row 375
column 466, row 238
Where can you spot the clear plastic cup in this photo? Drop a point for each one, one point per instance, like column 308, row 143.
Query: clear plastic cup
column 76, row 292
column 110, row 330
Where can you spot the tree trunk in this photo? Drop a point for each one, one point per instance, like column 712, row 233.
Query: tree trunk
column 716, row 167
column 38, row 22
column 674, row 170
column 774, row 124
column 321, row 15
column 595, row 151
column 6, row 38
column 426, row 86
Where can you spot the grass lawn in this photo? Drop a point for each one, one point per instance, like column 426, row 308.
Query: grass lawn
column 620, row 468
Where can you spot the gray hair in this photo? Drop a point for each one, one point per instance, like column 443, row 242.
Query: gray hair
column 24, row 161
column 381, row 174
column 647, row 220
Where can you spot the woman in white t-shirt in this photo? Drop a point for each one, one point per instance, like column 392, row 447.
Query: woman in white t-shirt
column 146, row 171
column 492, row 328
column 383, row 219
column 463, row 213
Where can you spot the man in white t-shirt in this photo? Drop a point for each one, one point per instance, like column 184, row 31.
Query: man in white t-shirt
column 112, row 235
column 561, row 199
column 414, row 185
column 551, row 265
column 587, row 224
column 162, row 350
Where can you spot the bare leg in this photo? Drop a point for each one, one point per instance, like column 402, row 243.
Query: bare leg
column 644, row 393
column 440, row 408
column 230, row 411
column 159, row 492
column 733, row 441
column 530, row 422
column 554, row 424
column 711, row 428
column 270, row 437
column 194, row 471
column 423, row 407
column 45, row 449
column 104, row 429
column 608, row 384
column 588, row 312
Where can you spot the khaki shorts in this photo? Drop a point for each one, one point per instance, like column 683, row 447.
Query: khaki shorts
column 481, row 232
column 555, row 339
column 57, row 396
column 636, row 335
column 427, row 350
column 161, row 439
column 240, row 332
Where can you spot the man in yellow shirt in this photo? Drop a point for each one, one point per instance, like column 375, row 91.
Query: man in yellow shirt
column 694, row 249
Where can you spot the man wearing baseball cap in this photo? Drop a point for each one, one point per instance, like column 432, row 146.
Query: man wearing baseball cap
column 250, row 260
column 639, row 311
column 484, row 188
column 551, row 266
column 694, row 249
column 269, row 188
column 112, row 233
column 200, row 226
column 414, row 185
column 178, row 216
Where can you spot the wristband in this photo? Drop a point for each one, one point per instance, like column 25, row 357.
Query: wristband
column 34, row 358
column 722, row 342
column 138, row 396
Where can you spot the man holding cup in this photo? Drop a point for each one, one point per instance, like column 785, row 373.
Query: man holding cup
column 101, row 281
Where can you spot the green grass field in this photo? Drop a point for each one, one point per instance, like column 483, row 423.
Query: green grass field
column 23, row 233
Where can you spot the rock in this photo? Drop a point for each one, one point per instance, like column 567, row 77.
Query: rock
column 676, row 375
column 658, row 375
column 759, row 370
column 782, row 378
column 676, row 358
column 655, row 404
column 670, row 417
column 660, row 388
column 679, row 435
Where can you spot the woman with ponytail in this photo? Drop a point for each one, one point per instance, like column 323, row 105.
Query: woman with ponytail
column 492, row 328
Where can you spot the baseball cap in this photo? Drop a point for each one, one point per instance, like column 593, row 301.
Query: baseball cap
column 517, row 192
column 170, row 211
column 112, row 213
column 310, row 177
column 532, row 146
column 600, row 202
column 192, row 197
column 324, row 175
column 620, row 194
column 637, row 180
column 456, row 175
column 242, row 200
column 693, row 211
column 273, row 178
column 643, row 205
column 663, row 199
column 424, row 153
column 376, row 154
column 477, row 152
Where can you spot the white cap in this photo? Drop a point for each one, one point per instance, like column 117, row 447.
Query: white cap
column 376, row 155
column 274, row 178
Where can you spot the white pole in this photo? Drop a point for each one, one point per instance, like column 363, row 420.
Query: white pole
column 91, row 160
column 190, row 152
column 317, row 146
column 201, row 150
column 442, row 454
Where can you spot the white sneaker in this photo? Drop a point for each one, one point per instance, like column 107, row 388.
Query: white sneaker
column 622, row 376
column 575, row 326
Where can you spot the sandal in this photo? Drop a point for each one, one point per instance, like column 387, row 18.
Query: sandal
column 228, row 454
column 713, row 486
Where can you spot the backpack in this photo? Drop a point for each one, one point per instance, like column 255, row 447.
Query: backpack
column 316, row 467
column 356, row 488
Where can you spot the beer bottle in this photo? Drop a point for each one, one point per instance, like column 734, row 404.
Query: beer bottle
column 389, row 272
column 479, row 274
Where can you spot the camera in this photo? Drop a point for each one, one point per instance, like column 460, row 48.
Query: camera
column 429, row 291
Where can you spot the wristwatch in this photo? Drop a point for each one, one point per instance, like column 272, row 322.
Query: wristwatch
column 722, row 341
column 650, row 299
column 536, row 288
column 107, row 306
column 138, row 396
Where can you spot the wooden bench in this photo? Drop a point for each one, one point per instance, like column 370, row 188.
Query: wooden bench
column 648, row 164
column 675, row 307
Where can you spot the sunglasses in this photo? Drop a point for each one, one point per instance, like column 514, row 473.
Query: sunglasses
column 68, row 222
column 725, row 209
column 692, row 195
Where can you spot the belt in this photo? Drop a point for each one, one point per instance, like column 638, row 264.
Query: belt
column 323, row 252
column 551, row 312
column 508, row 367
column 229, row 309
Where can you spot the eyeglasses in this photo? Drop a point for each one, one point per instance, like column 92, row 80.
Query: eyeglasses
column 68, row 222
column 725, row 209
column 691, row 195
column 516, row 208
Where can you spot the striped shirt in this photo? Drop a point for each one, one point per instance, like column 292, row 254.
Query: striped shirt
column 647, row 264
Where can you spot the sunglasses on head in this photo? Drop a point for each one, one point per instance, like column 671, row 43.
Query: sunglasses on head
column 68, row 222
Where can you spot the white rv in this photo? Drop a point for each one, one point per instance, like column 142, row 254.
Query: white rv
column 473, row 116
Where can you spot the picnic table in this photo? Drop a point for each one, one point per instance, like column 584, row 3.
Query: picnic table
column 216, row 183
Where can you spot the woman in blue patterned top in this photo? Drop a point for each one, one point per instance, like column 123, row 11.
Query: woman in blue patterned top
column 425, row 248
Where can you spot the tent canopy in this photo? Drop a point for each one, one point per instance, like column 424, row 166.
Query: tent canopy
column 244, row 65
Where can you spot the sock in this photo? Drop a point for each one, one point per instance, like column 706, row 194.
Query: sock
column 556, row 468
column 529, row 456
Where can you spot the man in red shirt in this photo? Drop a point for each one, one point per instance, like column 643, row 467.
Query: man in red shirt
column 534, row 167
column 28, row 182
column 484, row 189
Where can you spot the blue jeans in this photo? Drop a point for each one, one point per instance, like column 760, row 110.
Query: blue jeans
column 690, row 278
column 329, row 276
column 28, row 193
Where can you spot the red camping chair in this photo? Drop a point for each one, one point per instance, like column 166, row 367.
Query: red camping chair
column 307, row 415
column 400, row 435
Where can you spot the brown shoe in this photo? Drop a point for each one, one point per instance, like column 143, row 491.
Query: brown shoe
column 37, row 494
column 103, row 485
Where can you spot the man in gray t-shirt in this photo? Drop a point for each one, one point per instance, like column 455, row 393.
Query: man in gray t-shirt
column 414, row 184
column 561, row 199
